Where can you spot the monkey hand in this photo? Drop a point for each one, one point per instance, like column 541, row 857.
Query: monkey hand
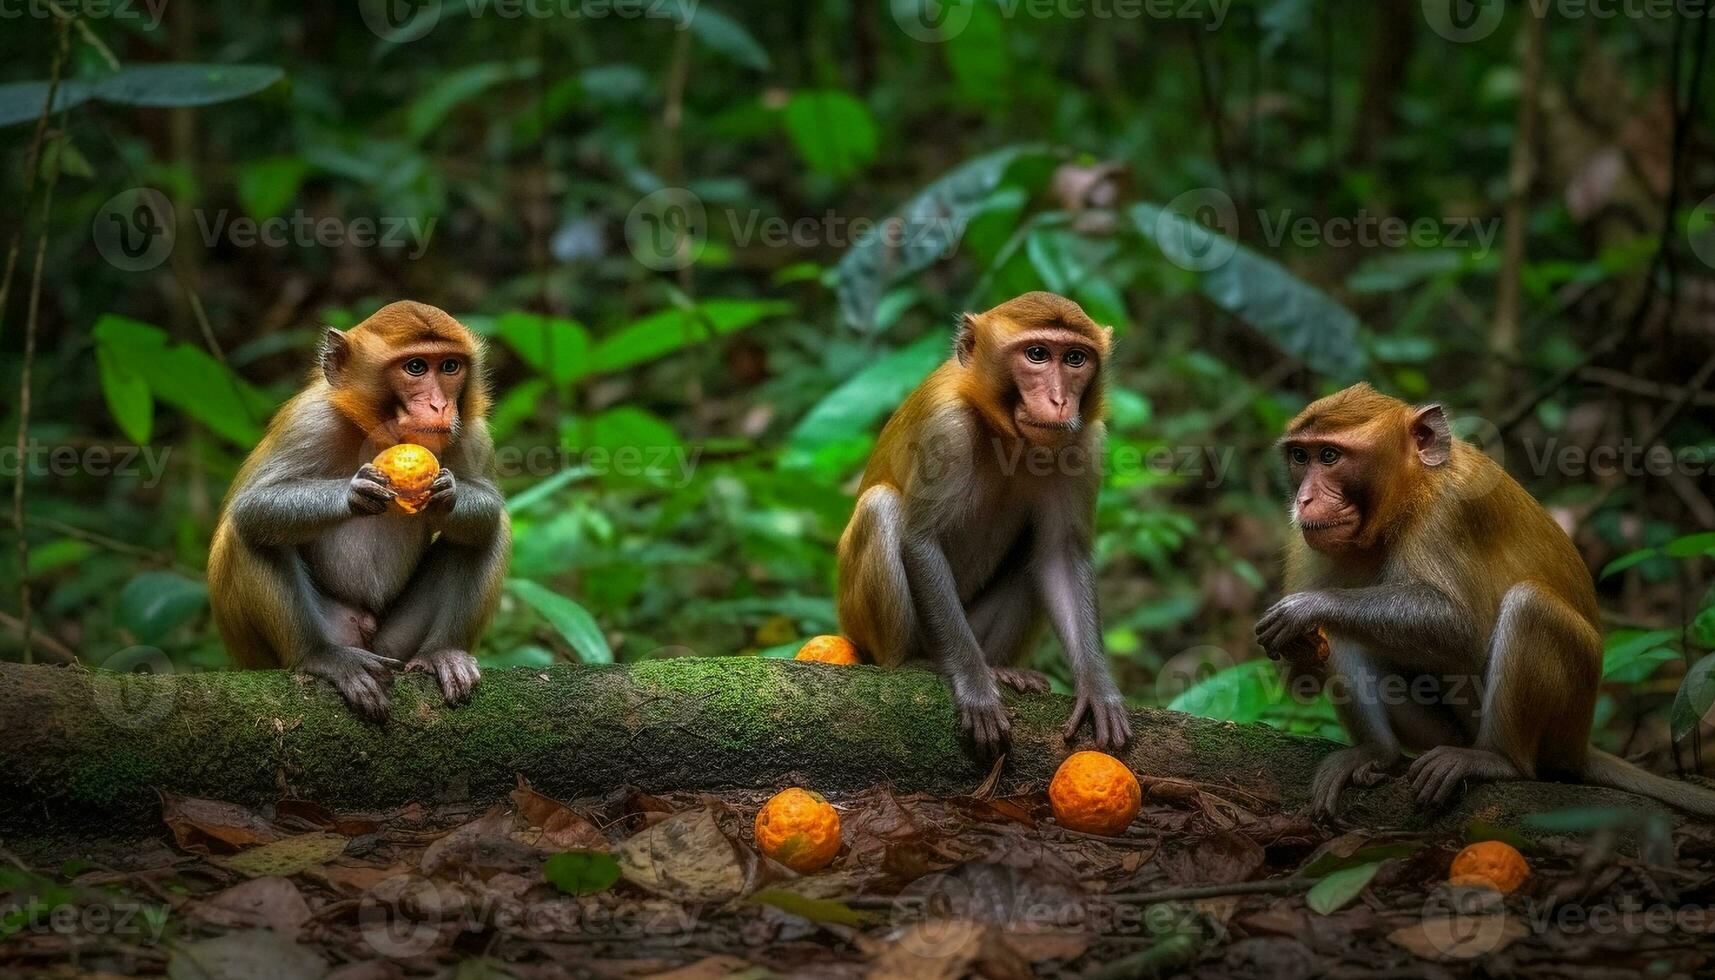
column 361, row 677
column 1290, row 619
column 983, row 717
column 456, row 671
column 443, row 493
column 1361, row 765
column 1108, row 718
column 370, row 491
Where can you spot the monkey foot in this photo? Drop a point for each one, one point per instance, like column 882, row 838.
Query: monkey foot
column 1437, row 773
column 1358, row 766
column 988, row 725
column 1108, row 718
column 1021, row 680
column 456, row 671
column 361, row 677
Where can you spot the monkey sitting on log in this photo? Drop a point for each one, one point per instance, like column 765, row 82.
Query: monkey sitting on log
column 1459, row 618
column 973, row 525
column 310, row 569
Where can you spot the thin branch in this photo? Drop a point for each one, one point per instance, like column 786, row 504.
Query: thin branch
column 59, row 650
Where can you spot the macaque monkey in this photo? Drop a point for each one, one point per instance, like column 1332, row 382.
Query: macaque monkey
column 973, row 523
column 1460, row 621
column 310, row 569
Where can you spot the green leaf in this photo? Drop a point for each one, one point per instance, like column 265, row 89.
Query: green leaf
column 832, row 131
column 187, row 378
column 1334, row 892
column 728, row 37
column 1624, row 562
column 1626, row 652
column 1691, row 546
column 1330, row 862
column 127, row 395
column 933, row 222
column 866, row 397
column 1696, row 696
column 821, row 910
column 22, row 101
column 153, row 604
column 1301, row 319
column 980, row 59
column 182, row 85
column 267, row 185
column 556, row 347
column 57, row 554
column 454, row 88
column 669, row 330
column 515, row 407
column 1239, row 694
column 581, row 872
column 624, row 428
column 572, row 621
column 1703, row 628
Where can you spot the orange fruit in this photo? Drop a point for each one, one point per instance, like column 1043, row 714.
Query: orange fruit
column 1490, row 864
column 412, row 470
column 1095, row 793
column 829, row 650
column 799, row 829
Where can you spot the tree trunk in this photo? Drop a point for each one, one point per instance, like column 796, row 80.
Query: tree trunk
column 85, row 751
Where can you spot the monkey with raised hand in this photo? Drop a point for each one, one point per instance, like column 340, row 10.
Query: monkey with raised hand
column 973, row 525
column 1459, row 618
column 311, row 570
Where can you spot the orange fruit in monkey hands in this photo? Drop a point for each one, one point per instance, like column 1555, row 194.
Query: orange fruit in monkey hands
column 829, row 650
column 799, row 829
column 1490, row 864
column 412, row 471
column 1095, row 793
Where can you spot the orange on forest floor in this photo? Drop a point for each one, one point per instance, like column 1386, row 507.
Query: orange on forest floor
column 412, row 470
column 799, row 829
column 829, row 650
column 1095, row 793
column 1489, row 864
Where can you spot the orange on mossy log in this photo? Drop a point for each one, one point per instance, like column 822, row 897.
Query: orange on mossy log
column 829, row 650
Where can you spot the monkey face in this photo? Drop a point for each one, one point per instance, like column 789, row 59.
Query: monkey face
column 1327, row 505
column 1051, row 371
column 426, row 385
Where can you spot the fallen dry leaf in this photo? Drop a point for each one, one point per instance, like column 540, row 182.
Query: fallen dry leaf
column 685, row 857
column 561, row 829
column 707, row 968
column 284, row 858
column 1460, row 937
column 201, row 825
column 271, row 903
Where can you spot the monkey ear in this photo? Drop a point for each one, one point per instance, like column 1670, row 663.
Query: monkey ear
column 334, row 352
column 1431, row 435
column 965, row 340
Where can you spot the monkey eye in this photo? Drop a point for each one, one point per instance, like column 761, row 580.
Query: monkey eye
column 450, row 366
column 1037, row 353
column 1299, row 455
column 416, row 367
column 1076, row 358
column 1330, row 455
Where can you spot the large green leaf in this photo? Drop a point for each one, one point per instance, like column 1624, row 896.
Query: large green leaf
column 181, row 85
column 726, row 36
column 556, row 347
column 1696, row 696
column 127, row 394
column 1303, row 320
column 454, row 88
column 832, row 131
column 267, row 185
column 153, row 604
column 865, row 398
column 1240, row 694
column 22, row 101
column 1631, row 656
column 669, row 330
column 932, row 222
column 572, row 621
column 186, row 377
column 980, row 58
column 1334, row 892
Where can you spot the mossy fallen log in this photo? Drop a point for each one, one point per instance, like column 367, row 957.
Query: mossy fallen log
column 88, row 750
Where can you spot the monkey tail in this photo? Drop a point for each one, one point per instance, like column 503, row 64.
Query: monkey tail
column 1616, row 773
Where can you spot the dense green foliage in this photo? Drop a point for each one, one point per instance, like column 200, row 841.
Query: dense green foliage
column 680, row 443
